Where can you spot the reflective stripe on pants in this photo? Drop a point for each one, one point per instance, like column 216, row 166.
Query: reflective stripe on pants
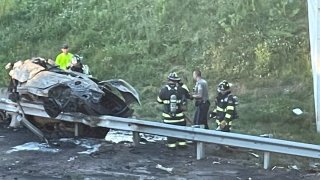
column 172, row 141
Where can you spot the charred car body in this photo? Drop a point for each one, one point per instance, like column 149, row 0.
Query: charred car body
column 38, row 81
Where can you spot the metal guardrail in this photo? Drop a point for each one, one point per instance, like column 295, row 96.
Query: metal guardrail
column 211, row 136
column 38, row 110
column 188, row 133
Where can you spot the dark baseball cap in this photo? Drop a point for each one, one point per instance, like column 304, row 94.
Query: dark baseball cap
column 65, row 46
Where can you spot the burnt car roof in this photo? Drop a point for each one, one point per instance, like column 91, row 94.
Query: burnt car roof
column 69, row 91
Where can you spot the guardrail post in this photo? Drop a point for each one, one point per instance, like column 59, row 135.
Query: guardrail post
column 135, row 134
column 266, row 155
column 136, row 138
column 76, row 129
column 266, row 160
column 200, row 145
column 14, row 121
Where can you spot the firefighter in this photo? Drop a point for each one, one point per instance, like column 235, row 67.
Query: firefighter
column 171, row 97
column 225, row 110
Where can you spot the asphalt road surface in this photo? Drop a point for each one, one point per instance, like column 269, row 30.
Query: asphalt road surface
column 91, row 159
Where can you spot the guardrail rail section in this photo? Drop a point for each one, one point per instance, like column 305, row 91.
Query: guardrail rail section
column 267, row 145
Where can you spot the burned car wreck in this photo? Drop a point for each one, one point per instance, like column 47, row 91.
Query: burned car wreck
column 38, row 81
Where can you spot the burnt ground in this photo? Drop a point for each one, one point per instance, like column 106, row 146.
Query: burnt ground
column 123, row 161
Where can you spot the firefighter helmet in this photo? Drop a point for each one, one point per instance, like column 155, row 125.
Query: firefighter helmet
column 173, row 77
column 223, row 86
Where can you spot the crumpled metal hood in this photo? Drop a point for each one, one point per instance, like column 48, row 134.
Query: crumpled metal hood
column 37, row 80
column 129, row 94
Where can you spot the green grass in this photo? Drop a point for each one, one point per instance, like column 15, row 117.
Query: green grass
column 269, row 110
column 141, row 41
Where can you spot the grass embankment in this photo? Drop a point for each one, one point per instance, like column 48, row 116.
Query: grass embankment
column 261, row 47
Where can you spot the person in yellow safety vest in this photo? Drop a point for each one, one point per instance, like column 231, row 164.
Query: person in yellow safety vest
column 171, row 98
column 225, row 110
column 63, row 60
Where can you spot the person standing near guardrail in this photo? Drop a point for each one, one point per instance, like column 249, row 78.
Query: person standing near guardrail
column 225, row 110
column 171, row 96
column 201, row 100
